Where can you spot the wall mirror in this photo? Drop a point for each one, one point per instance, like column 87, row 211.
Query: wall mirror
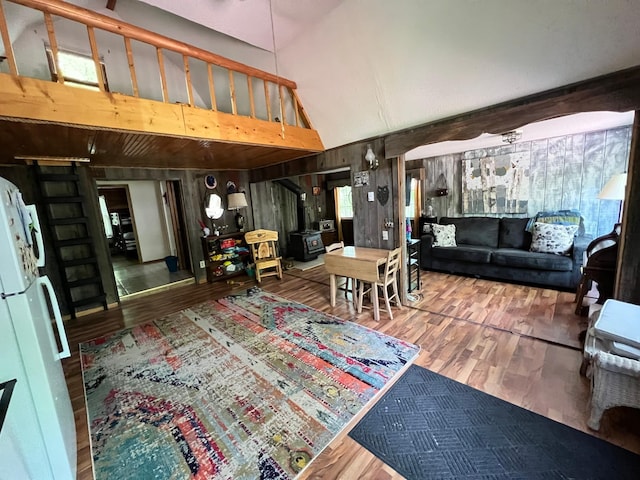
column 213, row 206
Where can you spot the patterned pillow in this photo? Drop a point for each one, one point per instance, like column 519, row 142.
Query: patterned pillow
column 551, row 238
column 445, row 235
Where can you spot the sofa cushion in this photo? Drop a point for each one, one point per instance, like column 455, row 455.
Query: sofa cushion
column 445, row 235
column 517, row 258
column 513, row 233
column 551, row 238
column 463, row 253
column 480, row 231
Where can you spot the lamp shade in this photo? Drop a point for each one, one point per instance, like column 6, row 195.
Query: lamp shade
column 236, row 201
column 615, row 188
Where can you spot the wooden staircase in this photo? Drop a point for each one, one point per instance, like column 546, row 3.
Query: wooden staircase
column 63, row 203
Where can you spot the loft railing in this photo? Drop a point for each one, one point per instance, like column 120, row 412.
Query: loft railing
column 208, row 80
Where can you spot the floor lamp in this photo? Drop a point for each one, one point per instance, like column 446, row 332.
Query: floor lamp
column 615, row 189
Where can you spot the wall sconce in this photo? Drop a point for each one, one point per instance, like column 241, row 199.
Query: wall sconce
column 370, row 157
column 236, row 201
column 511, row 136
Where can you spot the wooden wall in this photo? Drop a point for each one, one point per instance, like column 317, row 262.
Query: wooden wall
column 567, row 172
column 194, row 194
column 369, row 217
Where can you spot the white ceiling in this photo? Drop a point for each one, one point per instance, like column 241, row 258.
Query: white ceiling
column 365, row 68
column 251, row 20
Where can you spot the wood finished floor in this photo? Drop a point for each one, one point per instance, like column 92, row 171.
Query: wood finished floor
column 514, row 342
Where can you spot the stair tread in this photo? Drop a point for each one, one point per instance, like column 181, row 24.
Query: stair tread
column 68, row 242
column 79, row 261
column 84, row 281
column 63, row 199
column 68, row 220
column 86, row 301
column 58, row 177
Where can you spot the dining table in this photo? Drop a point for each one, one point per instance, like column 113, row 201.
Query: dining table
column 359, row 263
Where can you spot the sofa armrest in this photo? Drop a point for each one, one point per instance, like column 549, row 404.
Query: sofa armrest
column 426, row 242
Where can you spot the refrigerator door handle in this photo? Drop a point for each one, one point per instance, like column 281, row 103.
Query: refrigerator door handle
column 38, row 231
column 45, row 282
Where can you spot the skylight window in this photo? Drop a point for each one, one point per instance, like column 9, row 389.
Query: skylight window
column 77, row 70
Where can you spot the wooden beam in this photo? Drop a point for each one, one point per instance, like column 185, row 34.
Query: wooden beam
column 618, row 91
column 40, row 100
column 103, row 22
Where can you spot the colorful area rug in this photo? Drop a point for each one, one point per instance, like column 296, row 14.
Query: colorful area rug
column 427, row 426
column 250, row 386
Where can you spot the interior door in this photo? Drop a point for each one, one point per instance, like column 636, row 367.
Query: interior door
column 174, row 201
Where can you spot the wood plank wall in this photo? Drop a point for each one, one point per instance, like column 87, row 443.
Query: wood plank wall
column 567, row 172
column 368, row 216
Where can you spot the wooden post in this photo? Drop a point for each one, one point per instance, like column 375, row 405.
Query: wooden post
column 132, row 68
column 267, row 99
column 54, row 47
column 232, row 93
column 187, row 74
column 163, row 76
column 212, row 90
column 251, row 101
column 6, row 40
column 627, row 287
column 282, row 112
column 96, row 58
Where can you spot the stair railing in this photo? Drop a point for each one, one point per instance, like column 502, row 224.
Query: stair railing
column 287, row 105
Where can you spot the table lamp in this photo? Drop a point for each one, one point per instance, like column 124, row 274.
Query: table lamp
column 236, row 201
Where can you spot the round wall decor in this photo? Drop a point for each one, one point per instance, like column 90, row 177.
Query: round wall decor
column 210, row 182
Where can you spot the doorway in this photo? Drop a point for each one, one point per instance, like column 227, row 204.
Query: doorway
column 148, row 244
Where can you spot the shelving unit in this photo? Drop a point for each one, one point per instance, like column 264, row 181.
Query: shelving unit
column 218, row 250
column 413, row 264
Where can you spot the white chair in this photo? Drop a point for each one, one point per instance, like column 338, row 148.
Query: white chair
column 615, row 382
column 340, row 246
column 387, row 279
column 612, row 359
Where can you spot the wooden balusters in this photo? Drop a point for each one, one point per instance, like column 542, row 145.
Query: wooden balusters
column 96, row 58
column 6, row 40
column 251, row 104
column 163, row 76
column 232, row 93
column 187, row 75
column 132, row 68
column 212, row 90
column 54, row 47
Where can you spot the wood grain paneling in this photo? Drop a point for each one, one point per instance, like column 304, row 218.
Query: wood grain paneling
column 567, row 172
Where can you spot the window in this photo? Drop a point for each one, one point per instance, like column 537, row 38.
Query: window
column 344, row 202
column 410, row 210
column 78, row 70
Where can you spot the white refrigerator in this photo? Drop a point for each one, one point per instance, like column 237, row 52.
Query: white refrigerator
column 38, row 434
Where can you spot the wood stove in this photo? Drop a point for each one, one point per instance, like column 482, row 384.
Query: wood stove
column 305, row 246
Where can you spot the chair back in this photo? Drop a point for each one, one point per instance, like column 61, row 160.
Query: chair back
column 262, row 244
column 603, row 251
column 334, row 246
column 392, row 265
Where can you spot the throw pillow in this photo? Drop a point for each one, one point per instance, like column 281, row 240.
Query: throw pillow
column 551, row 238
column 445, row 235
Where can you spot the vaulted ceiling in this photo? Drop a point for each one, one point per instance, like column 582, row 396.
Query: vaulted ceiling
column 365, row 68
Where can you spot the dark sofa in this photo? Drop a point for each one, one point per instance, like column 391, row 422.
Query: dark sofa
column 498, row 248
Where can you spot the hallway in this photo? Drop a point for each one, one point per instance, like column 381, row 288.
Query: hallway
column 133, row 277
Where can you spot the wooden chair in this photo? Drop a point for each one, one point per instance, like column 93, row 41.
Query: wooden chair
column 599, row 266
column 264, row 253
column 386, row 280
column 340, row 246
